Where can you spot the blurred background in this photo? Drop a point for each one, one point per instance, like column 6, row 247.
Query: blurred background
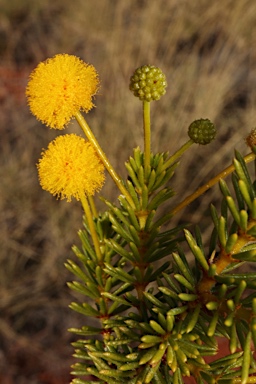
column 207, row 51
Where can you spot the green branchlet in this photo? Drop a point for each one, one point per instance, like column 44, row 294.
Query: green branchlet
column 151, row 334
column 150, row 315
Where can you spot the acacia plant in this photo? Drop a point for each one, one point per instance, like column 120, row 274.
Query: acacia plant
column 150, row 315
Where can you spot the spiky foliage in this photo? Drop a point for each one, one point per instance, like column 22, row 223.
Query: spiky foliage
column 150, row 315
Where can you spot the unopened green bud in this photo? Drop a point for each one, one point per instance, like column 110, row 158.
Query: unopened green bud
column 148, row 83
column 202, row 131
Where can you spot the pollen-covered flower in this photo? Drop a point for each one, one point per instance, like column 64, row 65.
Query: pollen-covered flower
column 70, row 167
column 59, row 87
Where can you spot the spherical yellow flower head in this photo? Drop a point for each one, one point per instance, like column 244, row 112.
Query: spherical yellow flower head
column 70, row 167
column 59, row 87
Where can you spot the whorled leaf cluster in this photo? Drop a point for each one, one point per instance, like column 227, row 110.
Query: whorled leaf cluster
column 152, row 317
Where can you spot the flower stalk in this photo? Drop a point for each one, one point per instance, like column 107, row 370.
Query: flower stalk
column 147, row 134
column 93, row 232
column 178, row 153
column 216, row 179
column 93, row 206
column 90, row 136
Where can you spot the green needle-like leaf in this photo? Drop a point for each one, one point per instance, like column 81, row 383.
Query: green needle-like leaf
column 245, row 193
column 253, row 209
column 246, row 255
column 129, row 366
column 197, row 252
column 243, row 173
column 253, row 330
column 159, row 198
column 183, row 281
column 233, row 209
column 151, row 339
column 184, row 268
column 222, row 231
column 188, row 296
column 119, row 273
column 224, row 188
column 243, row 220
column 133, row 194
column 231, row 241
column 213, row 324
column 177, row 311
column 193, row 320
column 115, row 298
column 86, row 331
column 77, row 271
column 157, row 327
column 246, row 359
column 151, row 180
column 151, row 373
column 233, row 339
column 93, row 293
column 154, row 300
column 157, row 357
column 85, row 309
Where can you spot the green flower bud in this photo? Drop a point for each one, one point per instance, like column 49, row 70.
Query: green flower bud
column 148, row 83
column 202, row 131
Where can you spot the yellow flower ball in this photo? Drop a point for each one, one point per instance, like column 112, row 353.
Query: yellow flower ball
column 70, row 167
column 60, row 87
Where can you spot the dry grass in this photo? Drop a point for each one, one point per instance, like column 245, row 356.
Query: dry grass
column 206, row 50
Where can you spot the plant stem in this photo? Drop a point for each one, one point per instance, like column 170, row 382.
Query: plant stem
column 93, row 207
column 178, row 154
column 248, row 158
column 147, row 135
column 94, row 235
column 90, row 136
